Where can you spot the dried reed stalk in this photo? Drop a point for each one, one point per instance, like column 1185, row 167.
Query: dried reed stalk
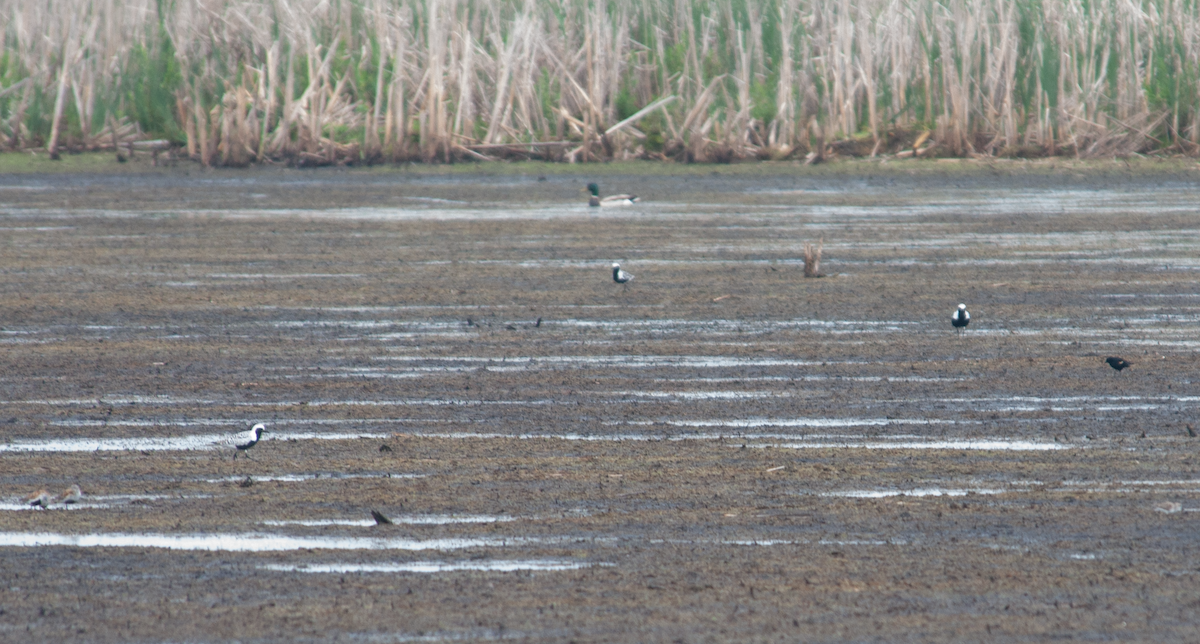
column 312, row 81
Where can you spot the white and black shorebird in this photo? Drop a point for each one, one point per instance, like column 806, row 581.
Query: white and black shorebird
column 961, row 318
column 614, row 200
column 243, row 441
column 620, row 276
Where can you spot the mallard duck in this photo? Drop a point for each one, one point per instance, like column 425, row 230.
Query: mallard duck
column 615, row 200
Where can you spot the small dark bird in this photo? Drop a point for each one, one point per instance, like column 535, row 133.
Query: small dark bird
column 384, row 448
column 1116, row 363
column 538, row 323
column 380, row 519
column 1191, row 430
column 620, row 276
column 961, row 318
column 248, row 439
column 615, row 200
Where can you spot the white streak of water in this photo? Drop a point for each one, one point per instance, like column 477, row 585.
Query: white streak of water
column 243, row 542
column 431, row 566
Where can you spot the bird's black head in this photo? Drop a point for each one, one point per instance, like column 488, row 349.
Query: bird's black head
column 594, row 189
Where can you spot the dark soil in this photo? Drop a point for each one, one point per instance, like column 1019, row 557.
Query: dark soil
column 659, row 435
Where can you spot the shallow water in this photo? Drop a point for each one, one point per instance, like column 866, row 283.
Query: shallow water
column 430, row 567
column 398, row 519
column 245, row 542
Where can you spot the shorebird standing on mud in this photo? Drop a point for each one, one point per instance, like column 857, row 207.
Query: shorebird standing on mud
column 70, row 495
column 243, row 441
column 1116, row 363
column 961, row 318
column 40, row 499
column 620, row 276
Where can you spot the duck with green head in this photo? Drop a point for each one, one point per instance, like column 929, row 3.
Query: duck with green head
column 614, row 200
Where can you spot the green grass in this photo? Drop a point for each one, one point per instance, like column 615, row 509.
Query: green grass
column 40, row 162
column 105, row 162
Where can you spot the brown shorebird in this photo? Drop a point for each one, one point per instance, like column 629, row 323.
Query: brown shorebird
column 40, row 499
column 70, row 495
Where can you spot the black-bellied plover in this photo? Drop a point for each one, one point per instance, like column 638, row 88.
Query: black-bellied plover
column 620, row 276
column 961, row 318
column 243, row 441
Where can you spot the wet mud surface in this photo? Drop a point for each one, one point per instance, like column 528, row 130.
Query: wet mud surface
column 721, row 451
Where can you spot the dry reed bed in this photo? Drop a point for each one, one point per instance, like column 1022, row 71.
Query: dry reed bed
column 333, row 81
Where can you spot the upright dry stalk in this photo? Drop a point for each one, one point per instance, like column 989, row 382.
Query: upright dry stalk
column 64, row 71
column 866, row 70
column 785, row 104
column 433, row 123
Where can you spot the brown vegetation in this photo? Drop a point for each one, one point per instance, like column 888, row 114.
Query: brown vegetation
column 333, row 81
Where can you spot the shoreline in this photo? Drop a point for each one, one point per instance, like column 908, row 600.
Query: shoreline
column 26, row 163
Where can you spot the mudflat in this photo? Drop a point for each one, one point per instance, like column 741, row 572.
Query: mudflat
column 719, row 451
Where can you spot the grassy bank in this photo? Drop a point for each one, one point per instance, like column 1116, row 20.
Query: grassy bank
column 25, row 163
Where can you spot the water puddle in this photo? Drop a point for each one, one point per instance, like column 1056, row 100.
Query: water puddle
column 245, row 542
column 807, row 422
column 312, row 476
column 280, row 276
column 246, row 422
column 813, row 378
column 986, row 445
column 916, row 492
column 434, row 519
column 627, row 361
column 448, row 307
column 164, row 401
column 90, row 502
column 434, row 566
column 207, row 442
column 699, row 395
